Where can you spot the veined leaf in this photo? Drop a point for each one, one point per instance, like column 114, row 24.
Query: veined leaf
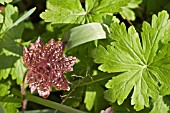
column 5, row 1
column 18, row 71
column 73, row 13
column 127, row 12
column 159, row 106
column 10, row 43
column 8, row 102
column 164, row 90
column 143, row 66
column 11, row 14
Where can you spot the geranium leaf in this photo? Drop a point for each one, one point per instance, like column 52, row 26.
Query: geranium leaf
column 18, row 71
column 5, row 1
column 8, row 102
column 159, row 106
column 90, row 96
column 11, row 14
column 127, row 12
column 143, row 66
column 73, row 13
column 10, row 43
column 94, row 97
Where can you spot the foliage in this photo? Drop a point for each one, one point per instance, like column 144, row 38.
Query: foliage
column 8, row 102
column 143, row 65
column 121, row 65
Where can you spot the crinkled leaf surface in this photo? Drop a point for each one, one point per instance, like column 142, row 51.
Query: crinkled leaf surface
column 59, row 11
column 8, row 102
column 142, row 65
column 159, row 106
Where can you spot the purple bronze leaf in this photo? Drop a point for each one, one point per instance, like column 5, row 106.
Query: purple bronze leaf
column 46, row 65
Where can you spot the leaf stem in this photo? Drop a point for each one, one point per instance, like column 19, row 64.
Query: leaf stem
column 47, row 103
column 23, row 93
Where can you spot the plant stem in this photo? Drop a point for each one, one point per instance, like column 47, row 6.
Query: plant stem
column 47, row 103
column 23, row 93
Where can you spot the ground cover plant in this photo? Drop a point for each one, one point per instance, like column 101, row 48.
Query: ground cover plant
column 78, row 56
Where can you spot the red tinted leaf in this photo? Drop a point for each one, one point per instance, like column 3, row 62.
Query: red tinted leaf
column 46, row 65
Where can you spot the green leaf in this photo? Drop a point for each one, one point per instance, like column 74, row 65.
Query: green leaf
column 154, row 6
column 94, row 97
column 90, row 96
column 1, row 18
column 11, row 14
column 10, row 44
column 73, row 13
column 8, row 102
column 164, row 90
column 18, row 71
column 127, row 12
column 143, row 66
column 22, row 18
column 159, row 106
column 5, row 1
column 76, row 97
column 47, row 103
column 6, row 63
column 84, row 33
column 2, row 109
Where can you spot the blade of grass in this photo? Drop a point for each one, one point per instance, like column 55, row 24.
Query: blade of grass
column 47, row 103
column 84, row 33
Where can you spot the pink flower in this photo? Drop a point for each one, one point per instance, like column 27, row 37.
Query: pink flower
column 46, row 65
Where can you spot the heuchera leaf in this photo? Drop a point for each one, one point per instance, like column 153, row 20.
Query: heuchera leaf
column 159, row 106
column 46, row 65
column 73, row 13
column 8, row 102
column 143, row 63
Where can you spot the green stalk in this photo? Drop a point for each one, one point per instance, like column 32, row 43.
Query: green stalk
column 47, row 103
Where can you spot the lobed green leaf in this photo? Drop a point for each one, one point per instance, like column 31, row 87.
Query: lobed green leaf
column 144, row 64
column 58, row 12
column 10, row 43
column 159, row 106
column 8, row 103
column 5, row 1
